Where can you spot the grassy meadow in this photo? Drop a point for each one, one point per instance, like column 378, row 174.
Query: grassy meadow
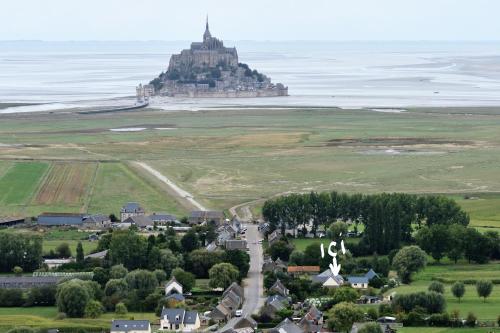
column 229, row 157
column 485, row 311
column 45, row 317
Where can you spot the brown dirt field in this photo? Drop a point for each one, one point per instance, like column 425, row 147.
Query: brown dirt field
column 66, row 183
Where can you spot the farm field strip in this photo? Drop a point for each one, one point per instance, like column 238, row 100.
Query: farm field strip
column 20, row 182
column 66, row 183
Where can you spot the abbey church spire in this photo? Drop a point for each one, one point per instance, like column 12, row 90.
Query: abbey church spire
column 207, row 34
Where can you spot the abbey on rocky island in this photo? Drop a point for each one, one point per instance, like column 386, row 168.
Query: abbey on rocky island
column 209, row 69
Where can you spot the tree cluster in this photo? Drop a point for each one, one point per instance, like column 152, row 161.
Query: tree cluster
column 24, row 251
column 387, row 218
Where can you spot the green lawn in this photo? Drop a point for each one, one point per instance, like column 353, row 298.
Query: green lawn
column 486, row 311
column 448, row 330
column 20, row 182
column 44, row 317
column 54, row 237
column 484, row 210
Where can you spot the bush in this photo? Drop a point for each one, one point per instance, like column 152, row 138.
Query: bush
column 11, row 297
column 371, row 328
column 121, row 309
column 385, row 310
column 471, row 320
column 437, row 287
column 93, row 309
column 440, row 320
column 431, row 302
column 414, row 318
column 372, row 313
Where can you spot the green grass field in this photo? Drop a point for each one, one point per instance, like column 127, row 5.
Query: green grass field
column 485, row 311
column 301, row 243
column 448, row 330
column 228, row 157
column 44, row 317
column 20, row 181
column 72, row 187
column 54, row 237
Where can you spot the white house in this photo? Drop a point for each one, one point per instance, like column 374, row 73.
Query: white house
column 358, row 282
column 328, row 280
column 130, row 326
column 173, row 287
column 179, row 320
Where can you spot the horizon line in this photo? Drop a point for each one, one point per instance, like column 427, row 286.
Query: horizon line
column 256, row 40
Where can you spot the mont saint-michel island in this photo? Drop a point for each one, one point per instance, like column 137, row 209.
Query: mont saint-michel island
column 209, row 69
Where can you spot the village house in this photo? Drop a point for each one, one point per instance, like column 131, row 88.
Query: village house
column 179, row 320
column 273, row 237
column 286, row 326
column 328, row 280
column 278, row 289
column 81, row 221
column 203, row 216
column 141, row 221
column 358, row 282
column 274, row 304
column 173, row 287
column 131, row 209
column 163, row 219
column 232, row 300
column 130, row 326
column 11, row 221
column 54, row 263
column 312, row 321
column 274, row 266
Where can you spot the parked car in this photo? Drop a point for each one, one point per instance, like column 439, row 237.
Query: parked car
column 238, row 313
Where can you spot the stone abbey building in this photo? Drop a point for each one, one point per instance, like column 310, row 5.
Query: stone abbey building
column 209, row 69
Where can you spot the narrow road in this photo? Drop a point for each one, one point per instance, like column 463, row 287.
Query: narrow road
column 254, row 284
column 174, row 189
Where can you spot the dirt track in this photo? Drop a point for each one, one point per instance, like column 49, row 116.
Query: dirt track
column 182, row 196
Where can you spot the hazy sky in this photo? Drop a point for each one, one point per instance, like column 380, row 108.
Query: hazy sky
column 250, row 20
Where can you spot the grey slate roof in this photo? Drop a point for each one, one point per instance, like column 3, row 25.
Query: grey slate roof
column 357, row 279
column 132, row 207
column 279, row 288
column 244, row 322
column 98, row 255
column 179, row 316
column 97, row 218
column 325, row 275
column 129, row 325
column 50, row 219
column 23, row 282
column 235, row 288
column 140, row 220
column 286, row 326
column 160, row 217
column 370, row 274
